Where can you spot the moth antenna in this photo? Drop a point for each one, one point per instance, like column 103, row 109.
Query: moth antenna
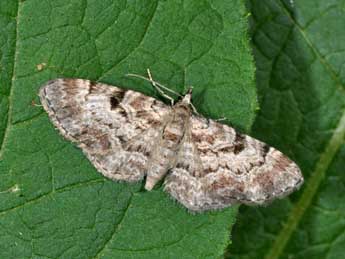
column 159, row 89
column 157, row 86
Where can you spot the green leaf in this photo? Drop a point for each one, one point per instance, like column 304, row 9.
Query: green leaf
column 299, row 52
column 53, row 203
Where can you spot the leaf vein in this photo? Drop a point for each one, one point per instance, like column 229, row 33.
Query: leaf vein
column 9, row 110
column 138, row 44
column 328, row 67
column 116, row 228
column 38, row 198
column 309, row 192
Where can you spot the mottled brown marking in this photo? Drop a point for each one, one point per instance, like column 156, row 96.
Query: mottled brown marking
column 222, row 182
column 228, row 148
column 182, row 108
column 204, row 177
column 122, row 112
column 168, row 135
column 120, row 94
column 153, row 122
column 136, row 163
column 69, row 81
column 83, row 131
column 238, row 172
column 207, row 170
column 265, row 149
column 104, row 142
column 281, row 163
column 200, row 138
column 179, row 165
column 193, row 171
column 138, row 148
column 122, row 139
column 265, row 180
column 137, row 103
column 71, row 89
column 92, row 86
column 113, row 102
column 197, row 137
column 239, row 143
column 225, row 181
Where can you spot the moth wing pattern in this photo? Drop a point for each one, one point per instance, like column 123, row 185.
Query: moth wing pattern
column 234, row 168
column 127, row 135
column 115, row 128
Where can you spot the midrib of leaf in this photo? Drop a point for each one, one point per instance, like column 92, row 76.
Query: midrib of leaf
column 321, row 167
column 311, row 46
column 105, row 73
column 44, row 196
column 116, row 228
column 9, row 97
column 309, row 192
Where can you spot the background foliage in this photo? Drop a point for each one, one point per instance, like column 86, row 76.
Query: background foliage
column 299, row 54
column 53, row 203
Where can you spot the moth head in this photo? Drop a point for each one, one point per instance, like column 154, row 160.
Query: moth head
column 188, row 96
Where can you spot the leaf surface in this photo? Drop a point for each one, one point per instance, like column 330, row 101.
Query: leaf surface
column 300, row 57
column 53, row 203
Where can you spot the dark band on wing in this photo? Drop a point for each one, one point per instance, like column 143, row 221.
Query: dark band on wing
column 92, row 86
column 265, row 149
column 239, row 143
column 114, row 102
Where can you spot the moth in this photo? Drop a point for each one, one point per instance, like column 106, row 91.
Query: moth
column 129, row 136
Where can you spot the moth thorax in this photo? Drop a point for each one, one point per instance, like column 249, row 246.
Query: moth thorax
column 187, row 98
